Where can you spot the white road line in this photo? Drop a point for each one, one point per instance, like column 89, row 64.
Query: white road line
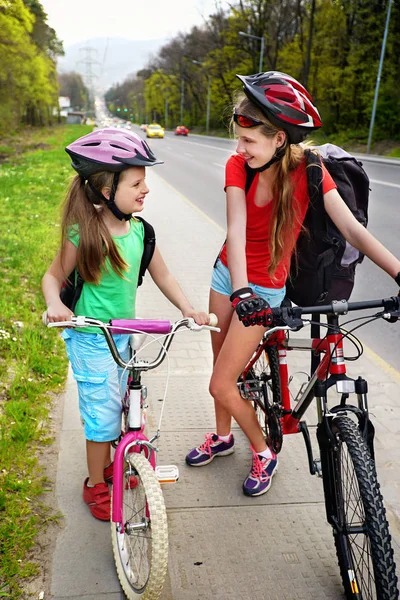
column 397, row 185
column 187, row 154
column 230, row 150
column 218, row 165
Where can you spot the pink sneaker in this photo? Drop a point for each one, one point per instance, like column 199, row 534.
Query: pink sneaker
column 260, row 478
column 212, row 447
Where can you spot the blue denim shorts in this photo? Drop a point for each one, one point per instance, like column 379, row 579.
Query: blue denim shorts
column 98, row 377
column 221, row 283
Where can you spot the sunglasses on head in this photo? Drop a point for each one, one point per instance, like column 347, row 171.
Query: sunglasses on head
column 246, row 122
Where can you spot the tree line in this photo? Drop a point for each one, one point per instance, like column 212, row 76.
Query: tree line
column 332, row 46
column 29, row 85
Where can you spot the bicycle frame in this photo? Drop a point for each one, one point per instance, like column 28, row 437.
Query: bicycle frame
column 134, row 438
column 332, row 363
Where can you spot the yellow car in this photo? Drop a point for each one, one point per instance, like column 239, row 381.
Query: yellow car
column 155, row 131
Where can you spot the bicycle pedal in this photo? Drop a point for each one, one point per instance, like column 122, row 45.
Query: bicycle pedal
column 167, row 473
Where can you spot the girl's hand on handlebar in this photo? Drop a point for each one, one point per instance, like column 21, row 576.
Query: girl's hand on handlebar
column 201, row 318
column 57, row 311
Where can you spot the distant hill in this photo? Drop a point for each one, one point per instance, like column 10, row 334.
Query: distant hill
column 113, row 59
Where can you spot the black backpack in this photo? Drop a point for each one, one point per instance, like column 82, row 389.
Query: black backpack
column 325, row 266
column 72, row 287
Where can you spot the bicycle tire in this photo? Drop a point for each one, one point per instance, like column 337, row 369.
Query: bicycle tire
column 141, row 556
column 270, row 419
column 365, row 554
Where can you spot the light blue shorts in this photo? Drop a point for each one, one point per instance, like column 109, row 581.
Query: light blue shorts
column 98, row 377
column 221, row 283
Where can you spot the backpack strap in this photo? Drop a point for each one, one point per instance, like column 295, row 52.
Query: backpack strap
column 78, row 289
column 149, row 244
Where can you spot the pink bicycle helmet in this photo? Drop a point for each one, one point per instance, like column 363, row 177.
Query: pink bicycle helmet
column 109, row 150
column 284, row 101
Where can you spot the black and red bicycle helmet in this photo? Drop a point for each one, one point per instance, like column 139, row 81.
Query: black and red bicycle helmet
column 284, row 101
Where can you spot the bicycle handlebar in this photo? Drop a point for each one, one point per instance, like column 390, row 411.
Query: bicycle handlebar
column 391, row 307
column 131, row 326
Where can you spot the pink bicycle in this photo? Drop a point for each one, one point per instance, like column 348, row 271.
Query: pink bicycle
column 139, row 529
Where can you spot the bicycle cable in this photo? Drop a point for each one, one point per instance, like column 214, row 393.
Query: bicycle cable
column 346, row 335
column 352, row 338
column 160, row 340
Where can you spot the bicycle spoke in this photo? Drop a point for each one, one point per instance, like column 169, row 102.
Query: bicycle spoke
column 141, row 552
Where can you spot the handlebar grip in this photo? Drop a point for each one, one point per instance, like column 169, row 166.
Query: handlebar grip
column 212, row 320
column 143, row 325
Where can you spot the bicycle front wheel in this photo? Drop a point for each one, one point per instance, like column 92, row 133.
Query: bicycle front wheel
column 141, row 551
column 268, row 408
column 361, row 531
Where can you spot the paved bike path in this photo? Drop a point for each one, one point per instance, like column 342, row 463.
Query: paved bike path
column 222, row 544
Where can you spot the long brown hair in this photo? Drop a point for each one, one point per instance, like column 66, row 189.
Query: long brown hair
column 83, row 210
column 285, row 214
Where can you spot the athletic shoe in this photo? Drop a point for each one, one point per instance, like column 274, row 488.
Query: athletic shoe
column 212, row 447
column 109, row 475
column 99, row 500
column 260, row 478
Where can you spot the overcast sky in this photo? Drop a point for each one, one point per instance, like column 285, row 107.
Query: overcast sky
column 79, row 20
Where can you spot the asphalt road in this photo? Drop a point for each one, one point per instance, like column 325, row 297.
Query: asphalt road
column 194, row 166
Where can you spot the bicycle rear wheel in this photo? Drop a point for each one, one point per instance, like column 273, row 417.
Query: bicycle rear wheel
column 361, row 531
column 141, row 552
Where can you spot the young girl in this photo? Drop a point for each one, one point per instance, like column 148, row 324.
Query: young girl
column 271, row 119
column 103, row 240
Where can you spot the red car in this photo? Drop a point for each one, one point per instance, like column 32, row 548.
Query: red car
column 181, row 130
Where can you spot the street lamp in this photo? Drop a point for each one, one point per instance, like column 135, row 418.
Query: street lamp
column 256, row 37
column 197, row 62
column 166, row 110
column 378, row 79
column 182, row 97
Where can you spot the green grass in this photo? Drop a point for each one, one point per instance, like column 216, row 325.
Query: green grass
column 33, row 365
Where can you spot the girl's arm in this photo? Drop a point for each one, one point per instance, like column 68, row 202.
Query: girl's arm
column 357, row 235
column 52, row 281
column 236, row 236
column 168, row 285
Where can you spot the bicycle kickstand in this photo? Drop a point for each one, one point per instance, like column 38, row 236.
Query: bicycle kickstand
column 313, row 465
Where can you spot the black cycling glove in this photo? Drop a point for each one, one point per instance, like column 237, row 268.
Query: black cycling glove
column 250, row 308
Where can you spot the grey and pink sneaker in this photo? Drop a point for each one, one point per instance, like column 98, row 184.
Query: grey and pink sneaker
column 212, row 447
column 260, row 478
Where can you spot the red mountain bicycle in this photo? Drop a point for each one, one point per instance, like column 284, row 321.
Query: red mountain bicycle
column 345, row 434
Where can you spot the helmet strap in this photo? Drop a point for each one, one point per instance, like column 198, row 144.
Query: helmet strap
column 279, row 154
column 109, row 202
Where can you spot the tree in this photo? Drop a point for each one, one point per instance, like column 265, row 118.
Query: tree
column 71, row 85
column 28, row 83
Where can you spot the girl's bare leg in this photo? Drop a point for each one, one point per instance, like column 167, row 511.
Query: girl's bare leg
column 221, row 306
column 98, row 456
column 232, row 355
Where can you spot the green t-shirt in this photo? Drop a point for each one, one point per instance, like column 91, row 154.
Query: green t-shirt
column 114, row 297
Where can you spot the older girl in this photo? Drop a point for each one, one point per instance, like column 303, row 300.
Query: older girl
column 273, row 116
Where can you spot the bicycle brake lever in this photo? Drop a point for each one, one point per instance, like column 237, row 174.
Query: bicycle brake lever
column 293, row 321
column 391, row 317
